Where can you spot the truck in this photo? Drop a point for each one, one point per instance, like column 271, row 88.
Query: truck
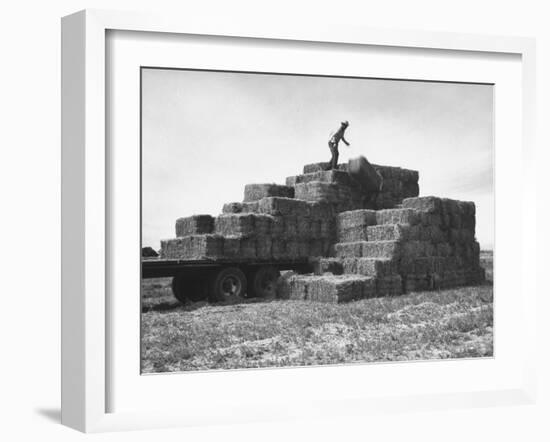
column 221, row 280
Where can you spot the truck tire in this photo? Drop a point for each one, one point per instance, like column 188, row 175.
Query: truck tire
column 187, row 289
column 263, row 282
column 227, row 284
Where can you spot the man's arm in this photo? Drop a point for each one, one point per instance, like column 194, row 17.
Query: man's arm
column 345, row 141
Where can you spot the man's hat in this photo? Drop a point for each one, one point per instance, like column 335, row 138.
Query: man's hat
column 345, row 123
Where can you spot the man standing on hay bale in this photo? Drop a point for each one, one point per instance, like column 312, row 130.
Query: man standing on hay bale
column 333, row 144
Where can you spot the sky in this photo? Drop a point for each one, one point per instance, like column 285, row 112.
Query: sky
column 207, row 134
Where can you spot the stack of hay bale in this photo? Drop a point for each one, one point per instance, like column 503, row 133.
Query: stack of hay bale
column 429, row 243
column 397, row 184
column 359, row 246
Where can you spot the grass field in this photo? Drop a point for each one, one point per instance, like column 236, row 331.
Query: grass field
column 430, row 325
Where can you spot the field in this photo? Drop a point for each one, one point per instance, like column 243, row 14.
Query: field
column 427, row 325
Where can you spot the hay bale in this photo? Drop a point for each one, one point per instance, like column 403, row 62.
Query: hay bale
column 317, row 191
column 430, row 204
column 293, row 286
column 349, row 265
column 341, row 288
column 236, row 224
column 319, row 167
column 277, row 226
column 194, row 225
column 251, row 207
column 255, row 192
column 303, row 227
column 290, row 227
column 398, row 216
column 278, row 249
column 262, row 224
column 264, row 247
column 381, row 249
column 279, row 206
column 232, row 246
column 389, row 286
column 376, row 267
column 320, row 210
column 248, row 247
column 328, row 229
column 352, row 235
column 193, row 247
column 350, row 249
column 316, row 247
column 327, row 265
column 388, row 232
column 232, row 208
column 356, row 218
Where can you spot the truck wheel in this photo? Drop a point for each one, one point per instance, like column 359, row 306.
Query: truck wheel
column 187, row 289
column 263, row 282
column 227, row 284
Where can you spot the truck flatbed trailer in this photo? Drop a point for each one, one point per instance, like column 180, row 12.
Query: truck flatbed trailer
column 221, row 279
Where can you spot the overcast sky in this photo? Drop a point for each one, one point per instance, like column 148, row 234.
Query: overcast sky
column 207, row 134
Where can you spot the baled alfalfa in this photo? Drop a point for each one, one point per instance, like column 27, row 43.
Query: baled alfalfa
column 237, row 224
column 251, row 207
column 352, row 235
column 381, row 249
column 317, row 191
column 315, row 167
column 293, row 286
column 413, row 249
column 262, row 224
column 291, row 181
column 232, row 208
column 279, row 206
column 349, row 265
column 328, row 229
column 290, row 227
column 320, row 210
column 430, row 204
column 325, row 176
column 303, row 227
column 304, row 249
column 315, row 229
column 277, row 226
column 398, row 216
column 416, row 283
column 355, row 218
column 436, row 234
column 391, row 232
column 175, row 248
column 248, row 248
column 232, row 246
column 375, row 267
column 443, row 249
column 350, row 249
column 193, row 247
column 336, row 289
column 318, row 167
column 264, row 247
column 283, row 284
column 328, row 248
column 316, row 247
column 194, row 225
column 278, row 249
column 328, row 265
column 389, row 286
column 255, row 192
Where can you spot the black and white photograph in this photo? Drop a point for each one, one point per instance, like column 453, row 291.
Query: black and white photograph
column 297, row 220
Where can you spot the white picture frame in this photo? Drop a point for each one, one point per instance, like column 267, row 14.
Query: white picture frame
column 86, row 210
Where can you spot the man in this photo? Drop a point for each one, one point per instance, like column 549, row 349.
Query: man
column 333, row 144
